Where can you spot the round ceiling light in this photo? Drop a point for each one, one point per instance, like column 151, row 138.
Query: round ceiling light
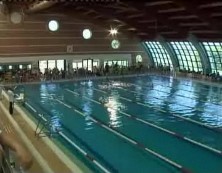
column 87, row 33
column 16, row 17
column 115, row 44
column 53, row 25
column 139, row 58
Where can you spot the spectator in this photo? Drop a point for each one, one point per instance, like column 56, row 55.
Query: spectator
column 11, row 100
column 24, row 158
column 106, row 69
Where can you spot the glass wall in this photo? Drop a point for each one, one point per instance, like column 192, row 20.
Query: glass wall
column 14, row 67
column 188, row 56
column 60, row 64
column 123, row 63
column 159, row 54
column 85, row 64
column 51, row 64
column 42, row 66
column 214, row 52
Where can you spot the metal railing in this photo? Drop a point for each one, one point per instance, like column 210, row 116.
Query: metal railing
column 9, row 163
column 44, row 127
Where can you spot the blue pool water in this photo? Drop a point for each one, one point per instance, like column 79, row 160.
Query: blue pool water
column 141, row 109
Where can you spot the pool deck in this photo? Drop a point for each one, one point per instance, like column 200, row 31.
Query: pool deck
column 47, row 156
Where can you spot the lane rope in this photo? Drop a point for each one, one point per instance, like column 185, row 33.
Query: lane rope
column 132, row 141
column 175, row 115
column 178, row 94
column 177, row 135
column 67, row 139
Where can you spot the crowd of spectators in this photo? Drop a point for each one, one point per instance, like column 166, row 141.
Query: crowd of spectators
column 30, row 75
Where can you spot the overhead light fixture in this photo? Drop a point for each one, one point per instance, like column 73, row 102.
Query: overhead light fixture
column 139, row 58
column 16, row 17
column 53, row 25
column 87, row 33
column 113, row 31
column 115, row 44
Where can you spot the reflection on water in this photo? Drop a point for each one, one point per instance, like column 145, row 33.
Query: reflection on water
column 211, row 119
column 43, row 93
column 55, row 123
column 185, row 98
column 87, row 106
column 113, row 84
column 47, row 91
column 113, row 106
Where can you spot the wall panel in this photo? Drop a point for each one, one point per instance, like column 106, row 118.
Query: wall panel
column 32, row 37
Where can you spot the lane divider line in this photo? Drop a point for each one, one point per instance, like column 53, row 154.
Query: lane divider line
column 139, row 145
column 84, row 152
column 140, row 93
column 183, row 89
column 170, row 132
column 178, row 95
column 100, row 90
column 64, row 104
column 38, row 157
column 33, row 109
column 157, row 97
column 88, row 156
column 178, row 79
column 83, row 96
column 180, row 117
column 123, row 98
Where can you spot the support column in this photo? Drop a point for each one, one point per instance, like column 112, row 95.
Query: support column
column 170, row 51
column 203, row 55
column 149, row 55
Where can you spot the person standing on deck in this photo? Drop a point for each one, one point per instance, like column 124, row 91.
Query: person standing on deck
column 1, row 89
column 11, row 100
column 22, row 154
column 106, row 69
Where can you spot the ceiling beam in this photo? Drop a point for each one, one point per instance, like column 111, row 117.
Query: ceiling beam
column 157, row 3
column 183, row 17
column 39, row 6
column 192, row 7
column 103, row 22
column 110, row 14
column 161, row 18
column 210, row 5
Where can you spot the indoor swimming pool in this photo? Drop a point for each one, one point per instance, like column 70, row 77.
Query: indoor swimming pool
column 134, row 124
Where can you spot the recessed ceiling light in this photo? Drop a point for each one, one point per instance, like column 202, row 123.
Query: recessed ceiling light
column 113, row 31
column 16, row 17
column 115, row 44
column 87, row 33
column 53, row 25
column 139, row 58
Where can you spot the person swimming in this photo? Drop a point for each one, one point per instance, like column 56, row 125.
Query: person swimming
column 102, row 100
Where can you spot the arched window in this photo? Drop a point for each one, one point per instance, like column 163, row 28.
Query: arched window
column 188, row 56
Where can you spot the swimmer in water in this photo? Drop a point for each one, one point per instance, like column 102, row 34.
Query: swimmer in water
column 102, row 100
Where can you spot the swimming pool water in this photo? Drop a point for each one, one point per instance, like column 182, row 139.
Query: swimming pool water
column 161, row 101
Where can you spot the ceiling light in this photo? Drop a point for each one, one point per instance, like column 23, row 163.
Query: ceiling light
column 53, row 25
column 87, row 34
column 113, row 31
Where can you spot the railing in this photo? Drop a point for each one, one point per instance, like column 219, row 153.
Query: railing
column 44, row 127
column 9, row 163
